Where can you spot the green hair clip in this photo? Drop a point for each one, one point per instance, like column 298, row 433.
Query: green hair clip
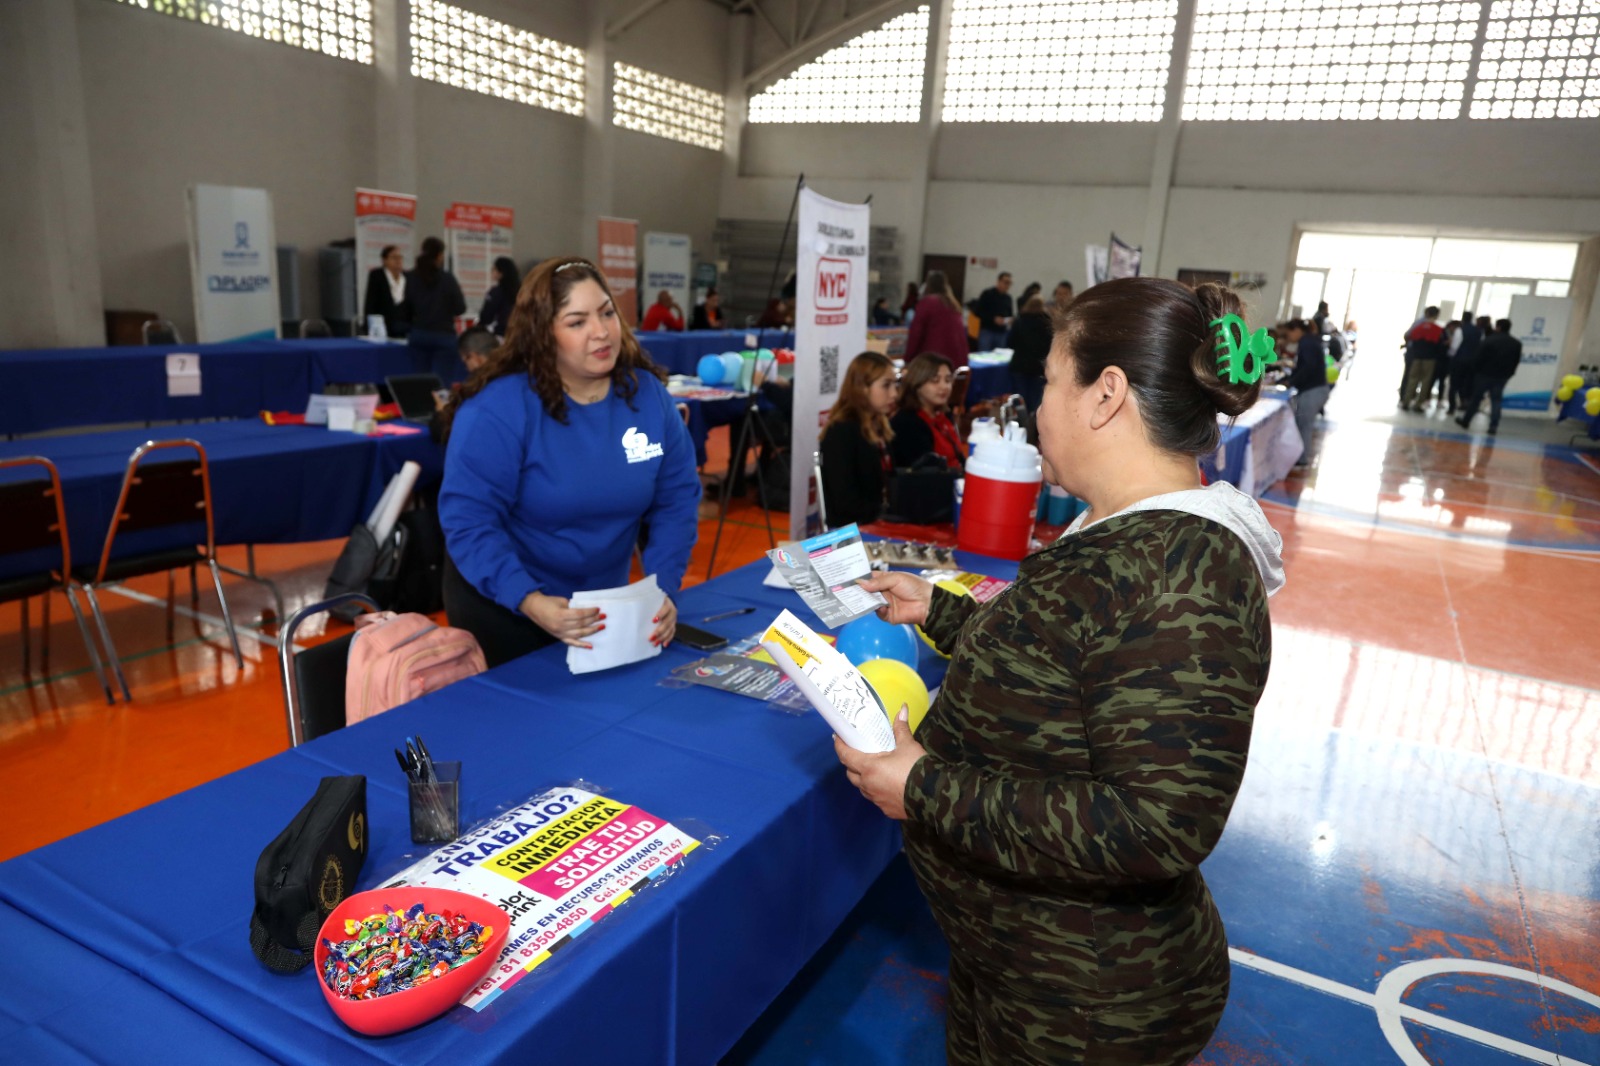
column 1245, row 355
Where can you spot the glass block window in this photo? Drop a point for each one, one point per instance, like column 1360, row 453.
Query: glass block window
column 1067, row 61
column 876, row 77
column 1539, row 60
column 1329, row 59
column 456, row 47
column 651, row 103
column 341, row 28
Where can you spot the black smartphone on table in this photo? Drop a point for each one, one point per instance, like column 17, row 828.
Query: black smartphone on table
column 699, row 639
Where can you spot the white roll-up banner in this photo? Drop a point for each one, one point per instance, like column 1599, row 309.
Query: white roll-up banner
column 233, row 261
column 666, row 266
column 1540, row 323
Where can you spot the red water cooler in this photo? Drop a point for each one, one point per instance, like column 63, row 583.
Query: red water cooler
column 1001, row 497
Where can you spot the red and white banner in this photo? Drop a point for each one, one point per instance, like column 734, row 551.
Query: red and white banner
column 382, row 219
column 619, row 262
column 477, row 235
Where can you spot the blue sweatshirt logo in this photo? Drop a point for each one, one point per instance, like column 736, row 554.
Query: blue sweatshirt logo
column 636, row 445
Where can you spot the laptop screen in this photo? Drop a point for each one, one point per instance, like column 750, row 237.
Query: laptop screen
column 414, row 394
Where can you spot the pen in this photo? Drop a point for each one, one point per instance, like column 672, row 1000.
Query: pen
column 404, row 765
column 728, row 614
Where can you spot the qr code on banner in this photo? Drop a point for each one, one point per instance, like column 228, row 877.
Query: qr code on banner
column 830, row 369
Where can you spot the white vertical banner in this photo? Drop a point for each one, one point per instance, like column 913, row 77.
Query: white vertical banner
column 478, row 234
column 830, row 324
column 382, row 219
column 233, row 261
column 1540, row 323
column 666, row 266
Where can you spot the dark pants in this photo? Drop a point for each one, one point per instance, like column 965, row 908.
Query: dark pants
column 1461, row 375
column 435, row 353
column 504, row 635
column 1030, row 388
column 1494, row 388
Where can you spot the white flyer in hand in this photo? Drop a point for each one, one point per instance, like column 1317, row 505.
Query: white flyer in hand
column 630, row 620
column 824, row 571
column 832, row 684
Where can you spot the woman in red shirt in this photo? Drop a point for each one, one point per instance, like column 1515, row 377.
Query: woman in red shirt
column 923, row 424
column 939, row 324
column 663, row 314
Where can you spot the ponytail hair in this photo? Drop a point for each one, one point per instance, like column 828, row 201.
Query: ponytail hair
column 1159, row 333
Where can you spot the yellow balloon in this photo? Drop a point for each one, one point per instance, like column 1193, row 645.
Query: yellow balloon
column 1572, row 381
column 897, row 684
column 1592, row 407
column 1564, row 394
column 948, row 585
column 1592, row 395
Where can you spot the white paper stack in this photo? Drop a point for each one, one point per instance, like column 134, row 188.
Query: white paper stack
column 630, row 620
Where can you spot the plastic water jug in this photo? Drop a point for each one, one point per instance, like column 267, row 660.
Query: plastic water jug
column 1001, row 496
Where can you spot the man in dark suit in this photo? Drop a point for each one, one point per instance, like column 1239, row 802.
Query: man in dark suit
column 386, row 294
column 1498, row 358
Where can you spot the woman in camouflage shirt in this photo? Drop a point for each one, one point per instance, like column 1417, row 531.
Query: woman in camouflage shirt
column 1091, row 734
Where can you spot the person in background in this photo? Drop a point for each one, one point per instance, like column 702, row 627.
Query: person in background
column 474, row 346
column 922, row 424
column 1484, row 323
column 855, row 442
column 1033, row 289
column 1321, row 317
column 386, row 294
column 1061, row 297
column 436, row 300
column 995, row 311
column 664, row 314
column 1029, row 341
column 1310, row 382
column 1464, row 362
column 1086, row 747
column 501, row 297
column 708, row 314
column 881, row 315
column 909, row 304
column 778, row 315
column 1425, row 343
column 1498, row 358
column 562, row 445
column 1441, row 366
column 938, row 323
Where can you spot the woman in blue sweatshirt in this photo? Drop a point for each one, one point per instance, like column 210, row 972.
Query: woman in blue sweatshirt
column 561, row 447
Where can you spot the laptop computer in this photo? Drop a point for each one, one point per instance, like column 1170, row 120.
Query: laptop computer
column 414, row 394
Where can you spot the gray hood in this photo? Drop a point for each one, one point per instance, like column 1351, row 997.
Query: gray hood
column 1227, row 506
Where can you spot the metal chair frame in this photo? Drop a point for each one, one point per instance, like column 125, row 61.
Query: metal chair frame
column 63, row 578
column 130, row 478
column 292, row 706
column 150, row 326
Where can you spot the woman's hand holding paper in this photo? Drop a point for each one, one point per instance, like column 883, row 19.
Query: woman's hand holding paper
column 567, row 624
column 882, row 777
column 666, row 623
column 908, row 596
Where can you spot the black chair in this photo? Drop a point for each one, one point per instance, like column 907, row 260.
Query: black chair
column 314, row 327
column 160, row 331
column 155, row 496
column 313, row 680
column 36, row 519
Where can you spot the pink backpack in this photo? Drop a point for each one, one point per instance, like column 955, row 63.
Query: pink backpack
column 394, row 658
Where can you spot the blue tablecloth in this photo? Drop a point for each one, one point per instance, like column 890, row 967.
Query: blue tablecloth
column 1573, row 408
column 269, row 484
column 991, row 378
column 677, row 975
column 680, row 352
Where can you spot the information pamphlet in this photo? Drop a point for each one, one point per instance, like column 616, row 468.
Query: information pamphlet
column 824, row 570
column 983, row 589
column 630, row 612
column 556, row 864
column 832, row 684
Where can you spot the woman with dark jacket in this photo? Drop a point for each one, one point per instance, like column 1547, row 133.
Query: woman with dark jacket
column 855, row 442
column 938, row 324
column 436, row 300
column 922, row 426
column 1029, row 341
column 499, row 300
column 386, row 294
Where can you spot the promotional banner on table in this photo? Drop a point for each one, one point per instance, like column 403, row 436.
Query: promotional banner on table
column 1540, row 323
column 830, row 323
column 382, row 219
column 619, row 262
column 667, row 266
column 477, row 235
column 233, row 261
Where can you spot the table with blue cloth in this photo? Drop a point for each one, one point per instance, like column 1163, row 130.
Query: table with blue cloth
column 676, row 975
column 1259, row 448
column 1573, row 408
column 679, row 353
column 991, row 377
column 269, row 484
column 59, row 388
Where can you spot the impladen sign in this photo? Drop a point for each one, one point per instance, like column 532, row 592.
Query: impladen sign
column 833, row 291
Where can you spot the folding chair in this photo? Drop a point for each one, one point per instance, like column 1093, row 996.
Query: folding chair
column 313, row 680
column 36, row 519
column 958, row 400
column 159, row 331
column 816, row 479
column 154, row 496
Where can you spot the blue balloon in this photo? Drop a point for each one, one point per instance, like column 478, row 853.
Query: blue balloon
column 711, row 369
column 870, row 637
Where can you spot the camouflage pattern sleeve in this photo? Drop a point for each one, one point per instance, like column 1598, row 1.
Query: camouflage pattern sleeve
column 946, row 615
column 1168, row 722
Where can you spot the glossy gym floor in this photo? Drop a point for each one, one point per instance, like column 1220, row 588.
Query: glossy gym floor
column 1412, row 870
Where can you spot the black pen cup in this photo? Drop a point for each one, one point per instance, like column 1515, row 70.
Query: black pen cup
column 436, row 805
